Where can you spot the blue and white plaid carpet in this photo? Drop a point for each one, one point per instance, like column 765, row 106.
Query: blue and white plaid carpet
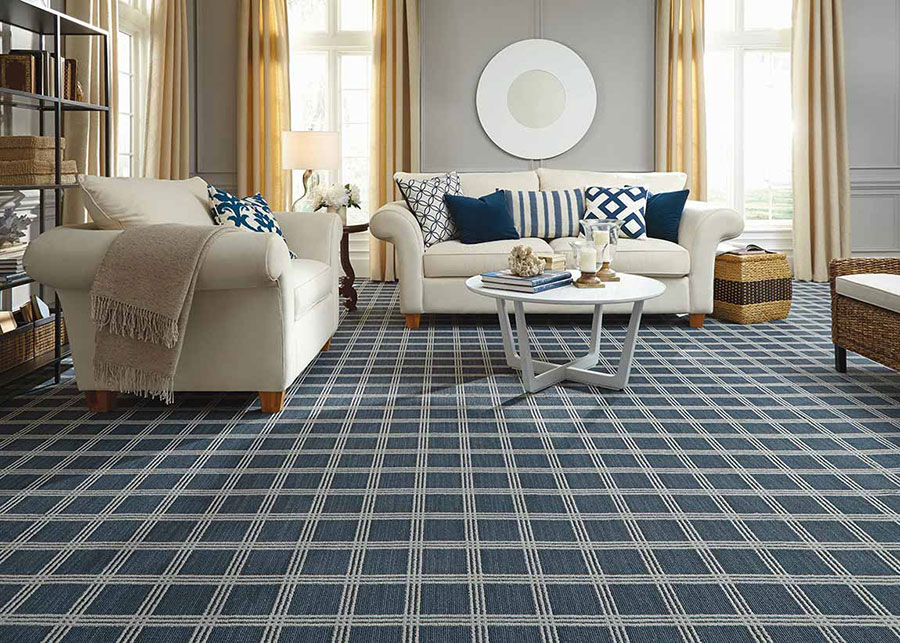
column 740, row 490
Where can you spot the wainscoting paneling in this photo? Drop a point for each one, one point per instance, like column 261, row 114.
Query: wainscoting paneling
column 873, row 91
column 615, row 38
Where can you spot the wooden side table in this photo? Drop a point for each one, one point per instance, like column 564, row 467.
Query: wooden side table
column 348, row 292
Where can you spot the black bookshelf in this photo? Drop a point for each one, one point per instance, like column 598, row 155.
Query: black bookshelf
column 51, row 27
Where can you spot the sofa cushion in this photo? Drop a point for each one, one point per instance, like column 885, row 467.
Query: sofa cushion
column 482, row 220
column 455, row 259
column 313, row 281
column 570, row 179
column 477, row 184
column 625, row 205
column 426, row 200
column 251, row 214
column 546, row 215
column 119, row 203
column 877, row 289
column 647, row 257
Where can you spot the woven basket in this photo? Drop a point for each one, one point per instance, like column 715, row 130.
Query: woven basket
column 16, row 347
column 29, row 341
column 45, row 335
column 750, row 289
column 30, row 142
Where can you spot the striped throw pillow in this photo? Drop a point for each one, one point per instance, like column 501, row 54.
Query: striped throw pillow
column 547, row 215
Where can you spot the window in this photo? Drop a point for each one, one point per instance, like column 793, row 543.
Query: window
column 748, row 109
column 134, row 25
column 331, row 68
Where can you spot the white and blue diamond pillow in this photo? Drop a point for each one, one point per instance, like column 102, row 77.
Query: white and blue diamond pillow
column 252, row 213
column 628, row 205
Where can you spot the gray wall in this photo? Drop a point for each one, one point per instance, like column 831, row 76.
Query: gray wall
column 615, row 38
column 873, row 94
column 213, row 31
column 460, row 36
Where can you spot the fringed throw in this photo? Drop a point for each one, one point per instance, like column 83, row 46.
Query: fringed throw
column 140, row 303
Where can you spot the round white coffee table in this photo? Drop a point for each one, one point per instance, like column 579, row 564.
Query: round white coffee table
column 537, row 375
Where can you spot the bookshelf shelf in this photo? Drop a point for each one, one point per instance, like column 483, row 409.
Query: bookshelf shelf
column 51, row 26
column 42, row 102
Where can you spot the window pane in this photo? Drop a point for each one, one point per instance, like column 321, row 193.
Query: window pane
column 124, row 134
column 768, row 131
column 355, row 71
column 766, row 14
column 124, row 166
column 308, row 15
column 124, row 46
column 356, row 15
column 125, row 89
column 720, row 97
column 309, row 91
column 719, row 15
column 355, row 140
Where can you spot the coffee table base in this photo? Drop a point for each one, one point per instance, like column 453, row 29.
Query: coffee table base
column 538, row 375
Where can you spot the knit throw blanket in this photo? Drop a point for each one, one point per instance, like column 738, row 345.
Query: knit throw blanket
column 140, row 303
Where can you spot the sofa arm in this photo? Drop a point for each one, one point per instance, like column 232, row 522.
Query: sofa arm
column 703, row 227
column 313, row 235
column 396, row 224
column 68, row 259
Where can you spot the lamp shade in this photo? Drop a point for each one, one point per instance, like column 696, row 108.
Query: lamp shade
column 311, row 150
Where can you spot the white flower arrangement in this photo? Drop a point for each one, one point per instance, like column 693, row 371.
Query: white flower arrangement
column 335, row 196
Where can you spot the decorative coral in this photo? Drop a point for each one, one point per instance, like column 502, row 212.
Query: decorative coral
column 13, row 226
column 524, row 263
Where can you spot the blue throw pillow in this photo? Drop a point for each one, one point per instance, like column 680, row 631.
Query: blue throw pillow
column 484, row 219
column 252, row 213
column 664, row 212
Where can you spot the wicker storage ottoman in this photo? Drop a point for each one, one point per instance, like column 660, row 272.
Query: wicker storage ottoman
column 752, row 288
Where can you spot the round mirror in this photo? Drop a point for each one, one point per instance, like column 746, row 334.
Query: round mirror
column 536, row 99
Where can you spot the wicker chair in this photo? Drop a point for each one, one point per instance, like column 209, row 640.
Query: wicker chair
column 865, row 329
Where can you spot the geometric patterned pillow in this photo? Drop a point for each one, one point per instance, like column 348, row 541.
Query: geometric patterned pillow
column 627, row 205
column 252, row 213
column 425, row 198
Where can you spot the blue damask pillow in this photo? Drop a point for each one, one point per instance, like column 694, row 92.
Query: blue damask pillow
column 252, row 213
column 628, row 205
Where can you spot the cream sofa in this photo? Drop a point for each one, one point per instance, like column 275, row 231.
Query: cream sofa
column 432, row 280
column 258, row 317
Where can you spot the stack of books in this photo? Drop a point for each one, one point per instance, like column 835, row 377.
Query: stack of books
column 506, row 280
column 11, row 267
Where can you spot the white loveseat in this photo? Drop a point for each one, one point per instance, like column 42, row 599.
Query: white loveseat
column 432, row 280
column 258, row 317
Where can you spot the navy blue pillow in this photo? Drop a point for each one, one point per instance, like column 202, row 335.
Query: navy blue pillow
column 663, row 214
column 484, row 219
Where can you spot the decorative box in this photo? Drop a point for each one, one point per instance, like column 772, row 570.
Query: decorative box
column 753, row 287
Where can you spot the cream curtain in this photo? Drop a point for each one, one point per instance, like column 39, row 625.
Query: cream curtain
column 86, row 131
column 168, row 141
column 821, row 152
column 680, row 94
column 263, row 99
column 395, row 115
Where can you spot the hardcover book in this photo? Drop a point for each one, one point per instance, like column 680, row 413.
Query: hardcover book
column 507, row 277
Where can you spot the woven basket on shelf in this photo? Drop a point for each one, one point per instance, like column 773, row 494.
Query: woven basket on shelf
column 16, row 347
column 29, row 341
column 45, row 335
column 752, row 288
column 29, row 148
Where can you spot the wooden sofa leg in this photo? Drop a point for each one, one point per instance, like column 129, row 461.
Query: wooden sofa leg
column 101, row 401
column 697, row 320
column 413, row 320
column 327, row 346
column 271, row 402
column 840, row 359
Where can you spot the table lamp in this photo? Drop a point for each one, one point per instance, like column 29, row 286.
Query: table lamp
column 310, row 151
